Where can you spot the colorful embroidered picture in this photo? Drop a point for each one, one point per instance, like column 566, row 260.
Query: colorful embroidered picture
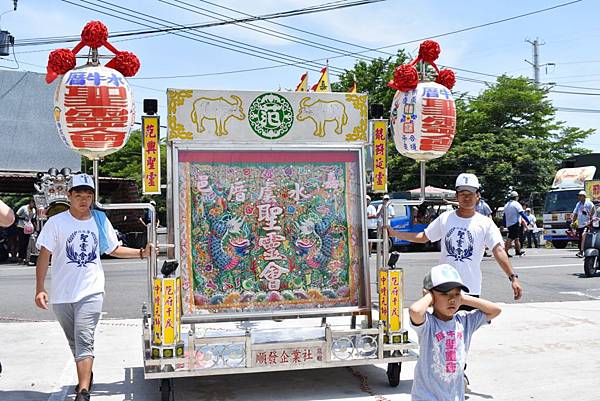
column 269, row 230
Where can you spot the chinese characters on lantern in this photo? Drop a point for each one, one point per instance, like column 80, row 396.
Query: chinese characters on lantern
column 94, row 110
column 424, row 121
column 439, row 119
column 150, row 155
column 380, row 156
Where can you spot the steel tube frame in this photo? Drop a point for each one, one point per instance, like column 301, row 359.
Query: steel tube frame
column 150, row 228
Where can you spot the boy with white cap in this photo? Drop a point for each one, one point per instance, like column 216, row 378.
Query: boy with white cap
column 445, row 334
column 75, row 239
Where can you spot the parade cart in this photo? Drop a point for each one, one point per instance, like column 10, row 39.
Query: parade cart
column 267, row 214
column 268, row 266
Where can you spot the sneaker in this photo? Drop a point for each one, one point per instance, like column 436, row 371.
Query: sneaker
column 579, row 255
column 90, row 386
column 486, row 255
column 520, row 253
column 83, row 395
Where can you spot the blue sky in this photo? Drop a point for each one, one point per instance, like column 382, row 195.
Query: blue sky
column 570, row 34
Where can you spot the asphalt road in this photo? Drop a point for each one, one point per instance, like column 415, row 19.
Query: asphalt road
column 546, row 274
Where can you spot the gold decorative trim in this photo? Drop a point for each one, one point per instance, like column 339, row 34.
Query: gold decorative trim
column 176, row 98
column 359, row 132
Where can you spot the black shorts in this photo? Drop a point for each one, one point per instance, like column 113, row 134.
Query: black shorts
column 513, row 231
column 372, row 232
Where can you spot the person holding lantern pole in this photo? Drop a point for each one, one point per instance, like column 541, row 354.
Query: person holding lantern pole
column 464, row 235
column 75, row 239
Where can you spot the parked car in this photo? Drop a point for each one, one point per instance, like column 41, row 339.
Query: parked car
column 414, row 219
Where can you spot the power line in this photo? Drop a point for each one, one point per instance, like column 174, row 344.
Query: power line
column 265, row 31
column 310, row 10
column 294, row 28
column 296, row 12
column 221, row 42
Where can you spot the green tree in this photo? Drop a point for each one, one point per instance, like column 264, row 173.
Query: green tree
column 127, row 163
column 508, row 135
column 372, row 78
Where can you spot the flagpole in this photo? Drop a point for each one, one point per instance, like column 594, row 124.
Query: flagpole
column 327, row 72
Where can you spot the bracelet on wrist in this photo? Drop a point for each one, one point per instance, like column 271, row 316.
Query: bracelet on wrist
column 512, row 277
column 141, row 253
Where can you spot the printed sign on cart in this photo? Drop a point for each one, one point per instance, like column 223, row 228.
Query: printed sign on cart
column 289, row 357
column 248, row 116
column 269, row 230
column 150, row 155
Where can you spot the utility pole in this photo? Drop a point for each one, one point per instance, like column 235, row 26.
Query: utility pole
column 536, row 60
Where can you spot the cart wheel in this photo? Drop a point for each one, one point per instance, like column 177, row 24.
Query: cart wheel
column 393, row 373
column 166, row 390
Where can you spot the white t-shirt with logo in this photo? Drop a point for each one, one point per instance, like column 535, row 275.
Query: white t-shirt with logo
column 75, row 247
column 371, row 222
column 463, row 242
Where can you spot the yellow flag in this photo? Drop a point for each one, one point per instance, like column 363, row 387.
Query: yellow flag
column 323, row 84
column 352, row 88
column 303, row 85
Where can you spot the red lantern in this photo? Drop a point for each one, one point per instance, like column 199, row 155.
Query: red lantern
column 424, row 121
column 423, row 115
column 94, row 110
column 93, row 105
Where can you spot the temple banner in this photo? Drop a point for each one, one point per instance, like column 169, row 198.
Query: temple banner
column 150, row 155
column 269, row 230
column 267, row 117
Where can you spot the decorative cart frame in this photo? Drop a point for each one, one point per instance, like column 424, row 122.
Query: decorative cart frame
column 266, row 228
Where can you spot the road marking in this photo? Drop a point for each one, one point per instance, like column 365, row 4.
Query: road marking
column 581, row 294
column 17, row 268
column 65, row 377
column 543, row 266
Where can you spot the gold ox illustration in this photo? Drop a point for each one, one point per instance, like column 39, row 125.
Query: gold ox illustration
column 219, row 109
column 322, row 112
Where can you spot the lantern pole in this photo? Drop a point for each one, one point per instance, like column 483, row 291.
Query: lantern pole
column 150, row 228
column 423, row 68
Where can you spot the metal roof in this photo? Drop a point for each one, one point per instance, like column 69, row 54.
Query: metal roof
column 28, row 137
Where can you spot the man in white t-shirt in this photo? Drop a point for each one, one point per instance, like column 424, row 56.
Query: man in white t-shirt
column 464, row 234
column 385, row 201
column 371, row 223
column 74, row 239
column 515, row 220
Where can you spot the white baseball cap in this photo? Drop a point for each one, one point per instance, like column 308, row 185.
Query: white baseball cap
column 368, row 197
column 513, row 194
column 582, row 192
column 81, row 180
column 386, row 196
column 443, row 278
column 467, row 182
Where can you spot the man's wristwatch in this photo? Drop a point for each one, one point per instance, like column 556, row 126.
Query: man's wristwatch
column 512, row 277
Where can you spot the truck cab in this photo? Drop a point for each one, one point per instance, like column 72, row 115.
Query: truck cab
column 562, row 197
